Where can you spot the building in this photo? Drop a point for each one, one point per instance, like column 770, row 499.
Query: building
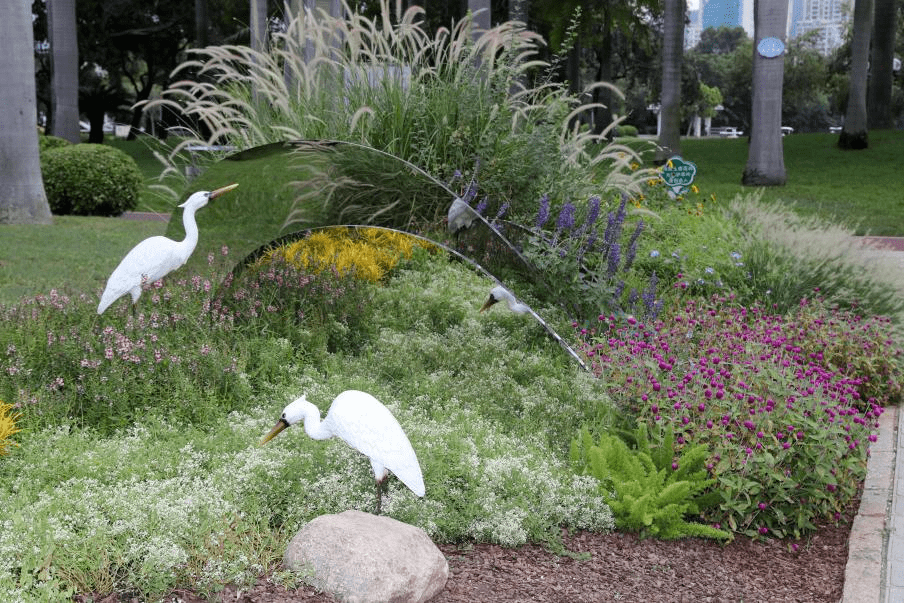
column 694, row 29
column 728, row 13
column 717, row 13
column 829, row 18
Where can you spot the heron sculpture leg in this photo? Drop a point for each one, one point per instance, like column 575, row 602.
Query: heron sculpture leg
column 379, row 490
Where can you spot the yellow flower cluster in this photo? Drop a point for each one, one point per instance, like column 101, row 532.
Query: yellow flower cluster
column 7, row 427
column 367, row 253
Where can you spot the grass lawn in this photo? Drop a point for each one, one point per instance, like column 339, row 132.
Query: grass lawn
column 857, row 188
column 74, row 255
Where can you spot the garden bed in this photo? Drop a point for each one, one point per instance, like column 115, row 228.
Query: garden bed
column 621, row 567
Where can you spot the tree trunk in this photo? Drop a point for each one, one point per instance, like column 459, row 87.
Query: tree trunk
column 482, row 19
column 518, row 10
column 64, row 68
column 22, row 197
column 765, row 158
column 672, row 55
column 201, row 23
column 602, row 116
column 258, row 33
column 881, row 59
column 854, row 133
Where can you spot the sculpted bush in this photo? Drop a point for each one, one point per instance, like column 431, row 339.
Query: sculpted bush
column 90, row 180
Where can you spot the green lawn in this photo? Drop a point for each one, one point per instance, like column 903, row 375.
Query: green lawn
column 74, row 255
column 855, row 188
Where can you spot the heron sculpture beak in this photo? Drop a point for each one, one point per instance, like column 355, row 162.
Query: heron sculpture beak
column 220, row 191
column 492, row 300
column 275, row 431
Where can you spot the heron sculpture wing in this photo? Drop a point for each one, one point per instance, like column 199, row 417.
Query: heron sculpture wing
column 147, row 262
column 367, row 426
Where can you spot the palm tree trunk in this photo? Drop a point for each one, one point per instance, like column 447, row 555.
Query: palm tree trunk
column 854, row 133
column 765, row 158
column 672, row 55
column 22, row 197
column 881, row 59
column 64, row 68
column 201, row 23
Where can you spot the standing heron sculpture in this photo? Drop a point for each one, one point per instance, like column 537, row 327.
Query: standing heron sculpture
column 155, row 257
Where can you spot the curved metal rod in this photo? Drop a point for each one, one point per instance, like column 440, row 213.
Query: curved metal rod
column 294, row 236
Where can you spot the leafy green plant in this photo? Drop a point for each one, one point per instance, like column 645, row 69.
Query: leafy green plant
column 90, row 180
column 655, row 488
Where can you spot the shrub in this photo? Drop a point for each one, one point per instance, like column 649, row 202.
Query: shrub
column 90, row 180
column 787, row 257
column 46, row 143
column 7, row 426
column 778, row 400
column 440, row 112
column 626, row 130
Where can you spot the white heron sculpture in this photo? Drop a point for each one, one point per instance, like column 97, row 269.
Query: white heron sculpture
column 460, row 215
column 500, row 293
column 367, row 426
column 155, row 257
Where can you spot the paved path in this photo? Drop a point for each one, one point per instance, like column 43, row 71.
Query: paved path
column 894, row 550
column 145, row 215
column 875, row 568
column 871, row 556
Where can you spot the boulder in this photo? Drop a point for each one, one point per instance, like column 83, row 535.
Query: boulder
column 359, row 558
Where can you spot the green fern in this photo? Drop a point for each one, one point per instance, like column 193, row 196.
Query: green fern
column 648, row 495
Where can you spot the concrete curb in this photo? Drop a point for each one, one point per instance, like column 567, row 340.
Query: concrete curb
column 870, row 548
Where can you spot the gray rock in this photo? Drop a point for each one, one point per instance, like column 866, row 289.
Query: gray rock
column 362, row 558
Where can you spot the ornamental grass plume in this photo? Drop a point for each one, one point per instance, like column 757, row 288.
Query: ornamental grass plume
column 437, row 99
column 7, row 427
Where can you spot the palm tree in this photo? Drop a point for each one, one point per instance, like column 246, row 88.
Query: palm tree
column 854, row 133
column 881, row 58
column 258, row 25
column 672, row 54
column 202, row 21
column 482, row 18
column 64, row 61
column 765, row 158
column 22, row 198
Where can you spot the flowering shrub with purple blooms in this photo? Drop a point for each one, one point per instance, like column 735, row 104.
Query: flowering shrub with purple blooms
column 585, row 261
column 788, row 405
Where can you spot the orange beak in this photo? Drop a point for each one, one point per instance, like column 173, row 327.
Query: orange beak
column 220, row 191
column 274, row 432
column 492, row 300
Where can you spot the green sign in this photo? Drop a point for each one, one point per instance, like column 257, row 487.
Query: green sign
column 678, row 175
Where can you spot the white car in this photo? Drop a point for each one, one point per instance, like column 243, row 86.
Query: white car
column 730, row 133
column 787, row 130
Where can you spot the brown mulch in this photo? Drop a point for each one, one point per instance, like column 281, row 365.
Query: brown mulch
column 621, row 567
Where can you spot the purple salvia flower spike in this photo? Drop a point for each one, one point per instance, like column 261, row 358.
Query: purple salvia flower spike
column 542, row 213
